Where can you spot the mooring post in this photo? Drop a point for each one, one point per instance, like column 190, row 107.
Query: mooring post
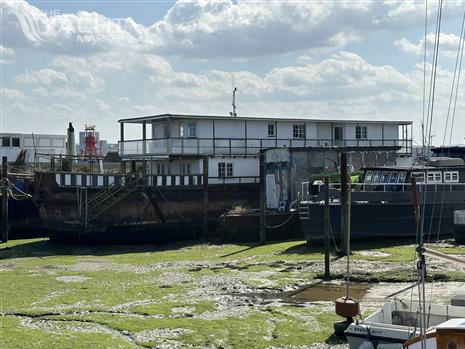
column 262, row 199
column 5, row 224
column 326, row 226
column 344, row 205
column 205, row 196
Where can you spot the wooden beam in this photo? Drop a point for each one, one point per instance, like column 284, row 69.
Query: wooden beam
column 5, row 224
column 205, row 196
column 262, row 199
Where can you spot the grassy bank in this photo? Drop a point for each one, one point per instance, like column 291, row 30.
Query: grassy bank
column 179, row 295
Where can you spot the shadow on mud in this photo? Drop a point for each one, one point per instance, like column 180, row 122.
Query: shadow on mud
column 306, row 248
column 44, row 248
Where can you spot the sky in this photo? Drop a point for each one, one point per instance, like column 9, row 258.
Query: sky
column 95, row 62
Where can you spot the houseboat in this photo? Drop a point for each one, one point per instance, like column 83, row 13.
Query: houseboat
column 381, row 204
column 180, row 171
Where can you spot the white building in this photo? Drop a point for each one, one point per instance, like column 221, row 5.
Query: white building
column 175, row 144
column 11, row 145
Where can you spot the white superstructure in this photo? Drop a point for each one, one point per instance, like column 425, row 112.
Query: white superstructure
column 176, row 143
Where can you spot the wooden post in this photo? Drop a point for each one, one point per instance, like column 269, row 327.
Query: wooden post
column 327, row 222
column 205, row 196
column 416, row 209
column 262, row 199
column 5, row 225
column 344, row 205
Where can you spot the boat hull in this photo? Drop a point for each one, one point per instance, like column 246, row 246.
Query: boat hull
column 380, row 220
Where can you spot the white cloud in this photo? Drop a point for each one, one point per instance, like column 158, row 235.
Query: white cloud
column 102, row 105
column 6, row 51
column 10, row 93
column 71, row 85
column 448, row 45
column 82, row 33
column 204, row 29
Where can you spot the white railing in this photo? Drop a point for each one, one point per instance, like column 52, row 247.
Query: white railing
column 249, row 146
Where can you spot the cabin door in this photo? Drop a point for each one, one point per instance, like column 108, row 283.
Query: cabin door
column 450, row 339
column 338, row 135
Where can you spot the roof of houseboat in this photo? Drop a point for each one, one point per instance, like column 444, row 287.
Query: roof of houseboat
column 141, row 119
column 452, row 324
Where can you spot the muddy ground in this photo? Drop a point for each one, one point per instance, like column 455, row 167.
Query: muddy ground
column 195, row 295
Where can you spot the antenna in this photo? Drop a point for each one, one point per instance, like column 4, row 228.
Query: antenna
column 233, row 113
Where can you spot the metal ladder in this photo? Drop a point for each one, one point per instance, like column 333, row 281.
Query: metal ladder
column 304, row 212
column 106, row 199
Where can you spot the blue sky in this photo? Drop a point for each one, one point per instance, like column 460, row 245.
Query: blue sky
column 99, row 61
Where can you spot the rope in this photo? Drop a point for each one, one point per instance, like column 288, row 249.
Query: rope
column 283, row 223
column 10, row 192
column 287, row 219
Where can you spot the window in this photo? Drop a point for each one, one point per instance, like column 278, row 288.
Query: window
column 393, row 177
column 434, row 177
column 451, row 177
column 271, row 130
column 361, row 132
column 185, row 169
column 161, row 169
column 15, row 142
column 385, row 177
column 368, row 176
column 419, row 176
column 402, row 176
column 225, row 169
column 181, row 130
column 6, row 142
column 191, row 130
column 376, row 177
column 298, row 131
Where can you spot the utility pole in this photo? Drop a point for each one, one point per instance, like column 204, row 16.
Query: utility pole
column 327, row 275
column 5, row 223
column 262, row 199
column 205, row 196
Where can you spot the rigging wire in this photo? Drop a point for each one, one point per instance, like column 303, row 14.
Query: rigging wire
column 423, row 141
column 429, row 122
column 456, row 81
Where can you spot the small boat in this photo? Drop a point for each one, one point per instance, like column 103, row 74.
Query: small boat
column 447, row 335
column 398, row 322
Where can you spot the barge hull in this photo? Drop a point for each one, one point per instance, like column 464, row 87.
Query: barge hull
column 375, row 220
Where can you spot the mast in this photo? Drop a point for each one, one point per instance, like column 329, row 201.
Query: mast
column 234, row 113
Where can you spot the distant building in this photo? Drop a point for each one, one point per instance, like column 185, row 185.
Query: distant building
column 12, row 144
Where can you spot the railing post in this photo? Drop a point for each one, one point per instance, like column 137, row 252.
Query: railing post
column 230, row 151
